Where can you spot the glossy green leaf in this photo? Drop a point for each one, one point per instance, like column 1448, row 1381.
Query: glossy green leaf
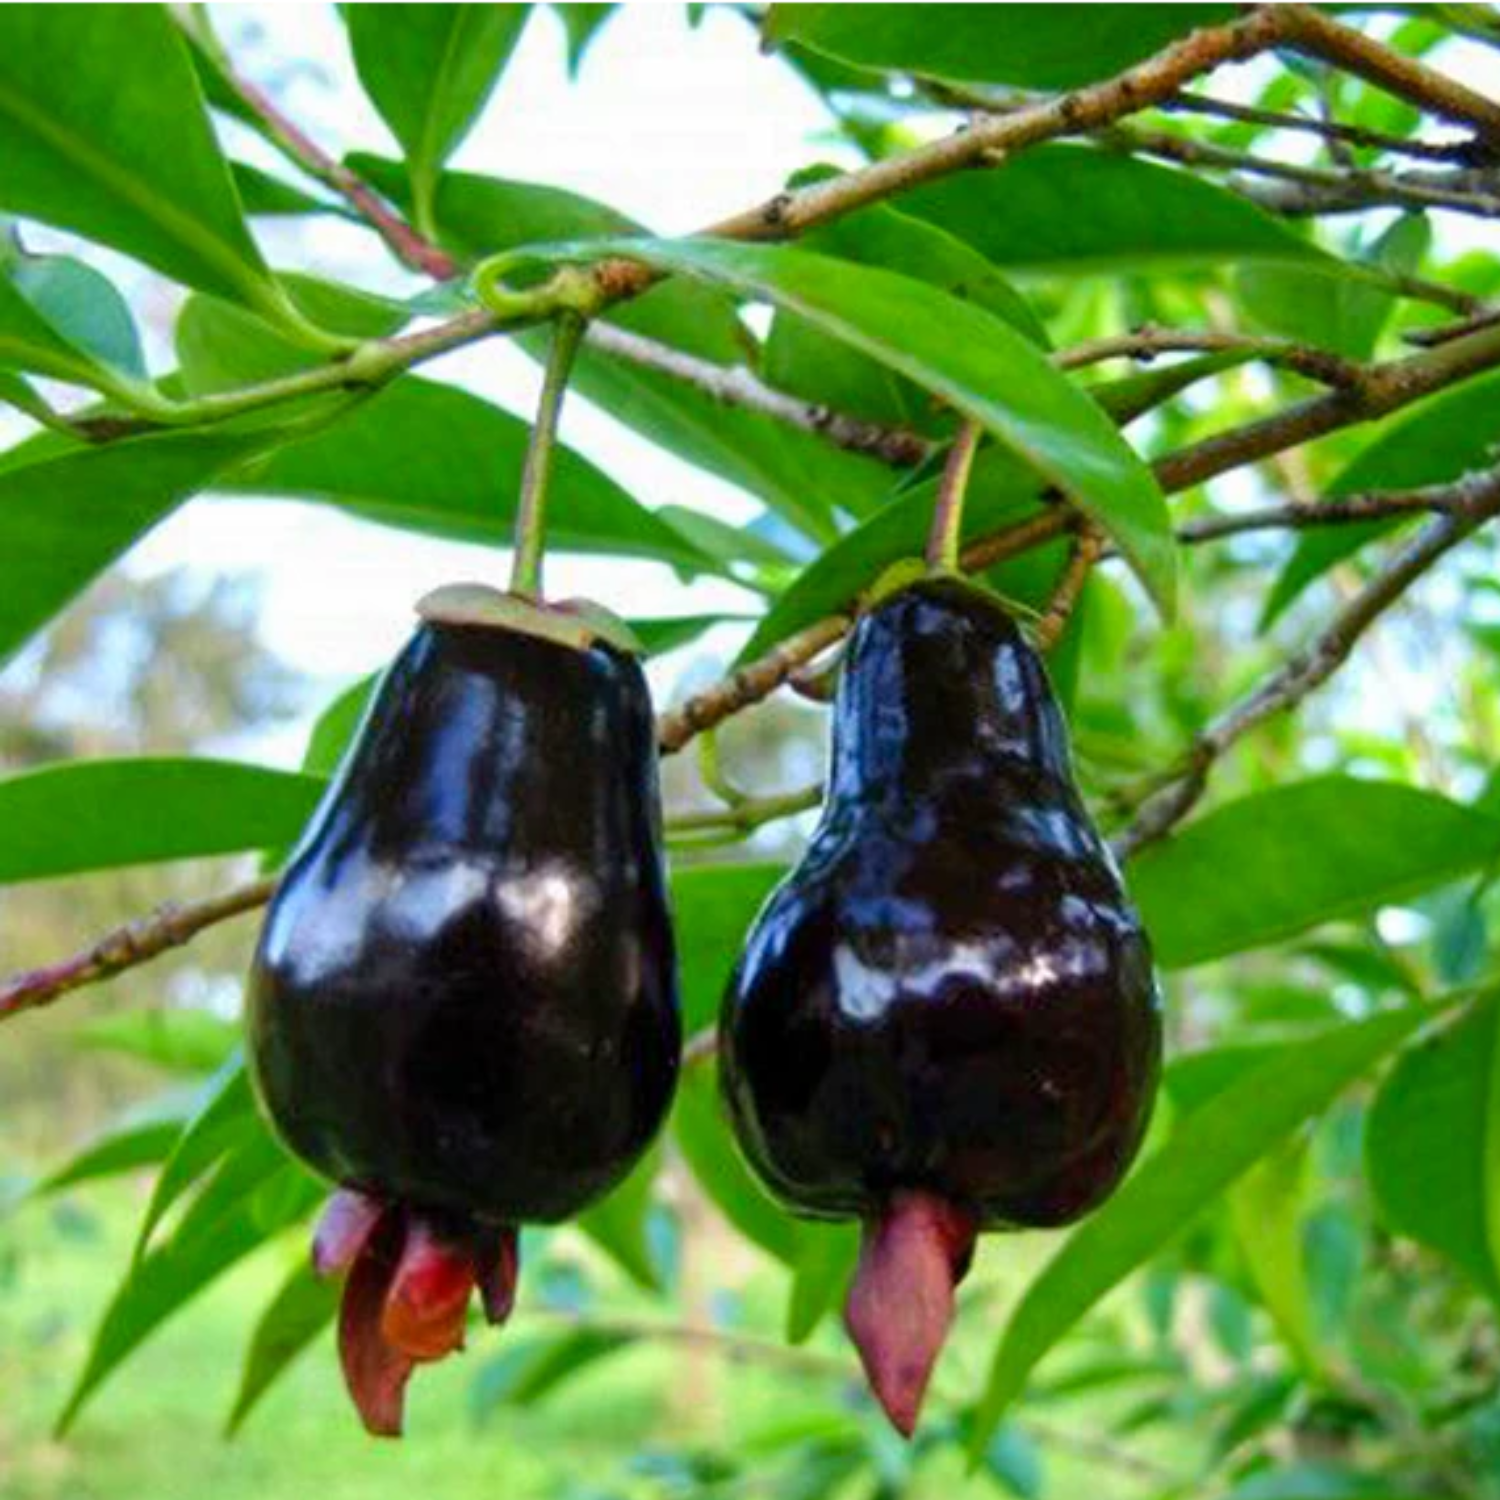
column 803, row 479
column 1027, row 46
column 582, row 23
column 968, row 357
column 61, row 318
column 304, row 1305
column 803, row 360
column 702, row 1135
column 435, row 459
column 661, row 634
column 335, row 726
column 1026, row 214
column 1324, row 307
column 430, row 70
column 274, row 197
column 1210, row 1150
column 1439, row 440
column 65, row 518
column 1432, row 1143
column 714, row 906
column 824, row 1265
column 1001, row 491
column 1266, row 1208
column 97, row 815
column 619, row 1224
column 224, row 1119
column 128, row 1147
column 1276, row 863
column 251, row 1198
column 19, row 393
column 87, row 103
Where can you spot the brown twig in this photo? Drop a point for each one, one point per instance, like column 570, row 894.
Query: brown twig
column 1311, row 667
column 1464, row 153
column 134, row 943
column 410, row 247
column 1146, row 342
column 1088, row 546
column 735, row 385
column 1315, row 34
column 1430, row 338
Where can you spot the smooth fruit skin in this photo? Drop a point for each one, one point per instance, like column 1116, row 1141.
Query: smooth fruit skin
column 464, row 998
column 951, row 995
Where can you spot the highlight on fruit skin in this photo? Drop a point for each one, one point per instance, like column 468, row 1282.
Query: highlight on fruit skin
column 945, row 1019
column 463, row 1006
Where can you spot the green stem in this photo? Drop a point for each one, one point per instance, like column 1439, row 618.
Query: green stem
column 945, row 539
column 531, row 518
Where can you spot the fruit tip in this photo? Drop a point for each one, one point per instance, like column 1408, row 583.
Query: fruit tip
column 900, row 1305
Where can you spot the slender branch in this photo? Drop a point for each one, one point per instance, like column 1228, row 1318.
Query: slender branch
column 1464, row 153
column 1429, row 338
column 735, row 385
column 1146, row 342
column 745, row 814
column 749, row 685
column 1311, row 667
column 944, row 539
column 1315, row 34
column 1088, row 547
column 134, row 943
column 410, row 247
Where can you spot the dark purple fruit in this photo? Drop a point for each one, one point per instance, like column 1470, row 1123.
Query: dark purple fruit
column 463, row 1007
column 945, row 1020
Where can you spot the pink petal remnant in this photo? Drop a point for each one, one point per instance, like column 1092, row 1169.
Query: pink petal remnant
column 497, row 1265
column 375, row 1373
column 900, row 1305
column 344, row 1228
column 428, row 1298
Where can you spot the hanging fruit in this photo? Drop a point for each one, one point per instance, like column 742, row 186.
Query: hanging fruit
column 945, row 1020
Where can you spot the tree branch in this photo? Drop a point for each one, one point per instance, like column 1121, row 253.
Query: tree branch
column 1311, row 667
column 1146, row 342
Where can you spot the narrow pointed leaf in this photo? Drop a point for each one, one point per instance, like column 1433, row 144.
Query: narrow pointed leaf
column 88, row 102
column 966, row 356
column 1209, row 1151
column 304, row 1305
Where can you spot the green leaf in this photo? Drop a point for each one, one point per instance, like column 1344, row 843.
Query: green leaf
column 127, row 1147
column 1209, row 1151
column 582, row 23
column 430, row 70
column 1026, row 214
column 702, row 1135
column 1432, row 1143
column 251, row 1199
column 1438, row 440
column 225, row 1119
column 713, row 908
column 1001, row 492
column 803, row 479
column 435, row 459
column 335, row 726
column 103, row 132
column 179, row 1041
column 61, row 318
column 825, row 1259
column 530, row 1369
column 274, row 197
column 801, row 359
column 1266, row 1208
column 98, row 815
column 1028, row 46
column 662, row 634
column 65, row 518
column 964, row 355
column 304, row 1305
column 1300, row 854
column 619, row 1224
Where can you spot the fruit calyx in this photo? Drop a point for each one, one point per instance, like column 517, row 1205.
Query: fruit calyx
column 900, row 1305
column 406, row 1297
column 578, row 623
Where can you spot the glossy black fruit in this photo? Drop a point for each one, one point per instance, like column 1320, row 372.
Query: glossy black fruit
column 463, row 1006
column 946, row 1018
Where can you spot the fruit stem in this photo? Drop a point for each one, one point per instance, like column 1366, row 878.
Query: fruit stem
column 944, row 540
column 526, row 570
